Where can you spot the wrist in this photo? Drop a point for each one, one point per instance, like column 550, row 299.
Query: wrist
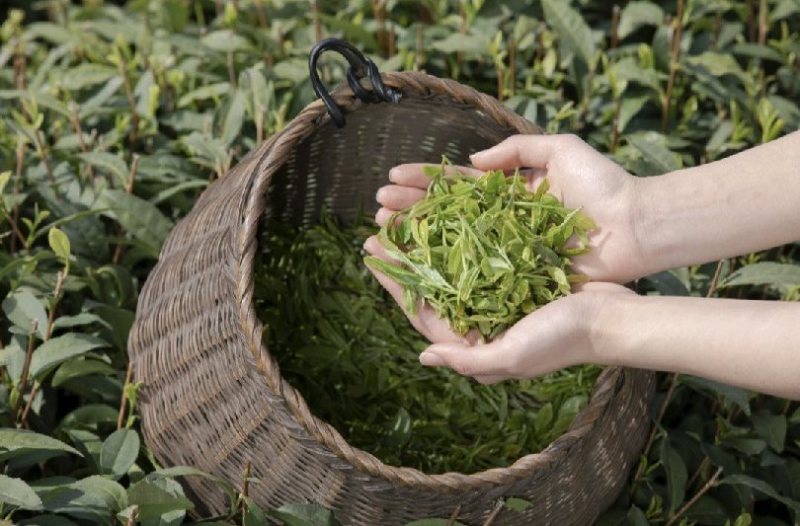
column 609, row 334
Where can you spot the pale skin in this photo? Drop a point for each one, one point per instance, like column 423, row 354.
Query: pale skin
column 745, row 203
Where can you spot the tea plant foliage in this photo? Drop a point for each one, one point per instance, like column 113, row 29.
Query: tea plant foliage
column 115, row 116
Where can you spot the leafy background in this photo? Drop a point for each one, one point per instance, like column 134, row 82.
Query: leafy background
column 114, row 117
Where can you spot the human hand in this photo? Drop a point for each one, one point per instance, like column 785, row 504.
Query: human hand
column 557, row 335
column 425, row 320
column 578, row 175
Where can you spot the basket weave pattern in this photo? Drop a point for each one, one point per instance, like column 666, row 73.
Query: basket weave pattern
column 214, row 398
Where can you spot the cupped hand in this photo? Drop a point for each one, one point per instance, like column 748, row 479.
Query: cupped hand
column 557, row 335
column 425, row 319
column 578, row 175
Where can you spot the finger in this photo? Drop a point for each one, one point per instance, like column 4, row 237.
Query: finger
column 533, row 177
column 533, row 151
column 373, row 247
column 413, row 174
column 480, row 360
column 395, row 290
column 397, row 197
column 490, row 380
column 383, row 215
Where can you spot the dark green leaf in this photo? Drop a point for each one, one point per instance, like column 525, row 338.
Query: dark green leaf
column 141, row 219
column 771, row 428
column 779, row 275
column 571, row 29
column 304, row 515
column 119, row 452
column 17, row 442
column 17, row 493
column 59, row 349
column 23, row 308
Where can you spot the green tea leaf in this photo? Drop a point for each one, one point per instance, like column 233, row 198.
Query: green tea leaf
column 571, row 29
column 677, row 475
column 779, row 275
column 771, row 428
column 15, row 492
column 59, row 244
column 22, row 308
column 59, row 349
column 637, row 14
column 119, row 452
column 761, row 487
column 141, row 219
column 18, row 442
column 516, row 504
column 304, row 515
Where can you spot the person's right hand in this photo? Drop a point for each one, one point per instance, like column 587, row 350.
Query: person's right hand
column 578, row 175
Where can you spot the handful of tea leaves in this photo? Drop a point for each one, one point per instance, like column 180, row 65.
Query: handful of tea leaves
column 344, row 343
column 483, row 251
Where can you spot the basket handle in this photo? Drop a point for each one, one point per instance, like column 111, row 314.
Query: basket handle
column 360, row 67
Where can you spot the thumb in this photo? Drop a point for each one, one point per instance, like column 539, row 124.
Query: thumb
column 478, row 360
column 531, row 151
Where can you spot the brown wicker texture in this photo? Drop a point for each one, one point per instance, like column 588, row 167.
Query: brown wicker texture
column 214, row 398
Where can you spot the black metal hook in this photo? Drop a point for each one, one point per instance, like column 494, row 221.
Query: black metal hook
column 360, row 67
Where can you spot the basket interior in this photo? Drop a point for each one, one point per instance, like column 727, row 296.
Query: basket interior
column 341, row 168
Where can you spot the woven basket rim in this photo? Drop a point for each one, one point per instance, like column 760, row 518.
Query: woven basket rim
column 270, row 157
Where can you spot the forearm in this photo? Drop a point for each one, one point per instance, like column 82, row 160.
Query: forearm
column 745, row 203
column 750, row 344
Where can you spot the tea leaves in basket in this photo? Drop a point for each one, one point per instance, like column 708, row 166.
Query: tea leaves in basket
column 350, row 350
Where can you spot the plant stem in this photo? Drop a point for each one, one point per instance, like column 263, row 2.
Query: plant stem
column 762, row 23
column 134, row 131
column 706, row 487
column 454, row 515
column 379, row 13
column 512, row 66
column 20, row 68
column 615, row 126
column 751, row 21
column 675, row 53
column 60, row 278
column 13, row 215
column 259, row 123
column 23, row 419
column 262, row 14
column 614, row 26
column 123, row 403
column 493, row 515
column 316, row 18
column 245, row 488
column 129, row 189
column 702, row 467
column 43, row 154
column 231, row 69
column 26, row 365
column 76, row 125
column 420, row 53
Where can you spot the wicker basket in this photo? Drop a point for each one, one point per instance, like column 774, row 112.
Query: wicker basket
column 214, row 398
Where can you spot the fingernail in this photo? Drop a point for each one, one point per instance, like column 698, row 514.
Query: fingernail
column 480, row 153
column 430, row 359
column 393, row 173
